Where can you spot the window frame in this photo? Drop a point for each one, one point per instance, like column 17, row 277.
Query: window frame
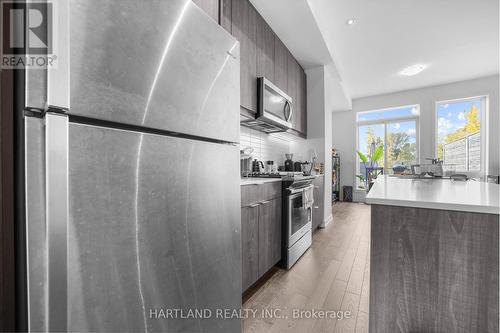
column 484, row 132
column 385, row 122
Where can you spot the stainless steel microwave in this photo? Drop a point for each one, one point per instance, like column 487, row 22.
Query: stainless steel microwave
column 274, row 110
column 274, row 106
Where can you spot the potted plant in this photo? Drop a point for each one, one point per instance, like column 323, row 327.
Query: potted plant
column 370, row 162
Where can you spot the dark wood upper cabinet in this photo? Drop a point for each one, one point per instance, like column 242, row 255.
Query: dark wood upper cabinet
column 303, row 102
column 262, row 53
column 280, row 64
column 249, row 245
column 297, row 90
column 211, row 7
column 244, row 29
column 265, row 50
column 293, row 85
column 226, row 14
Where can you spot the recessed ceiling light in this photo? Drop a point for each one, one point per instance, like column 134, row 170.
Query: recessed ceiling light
column 351, row 21
column 413, row 70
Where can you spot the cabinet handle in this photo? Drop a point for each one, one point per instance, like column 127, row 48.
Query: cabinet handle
column 316, row 207
column 254, row 205
column 265, row 202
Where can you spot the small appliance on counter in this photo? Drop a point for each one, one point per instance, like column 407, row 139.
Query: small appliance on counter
column 257, row 166
column 289, row 162
column 246, row 161
column 307, row 168
column 297, row 166
column 270, row 167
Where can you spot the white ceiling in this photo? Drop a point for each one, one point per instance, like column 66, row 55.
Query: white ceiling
column 457, row 39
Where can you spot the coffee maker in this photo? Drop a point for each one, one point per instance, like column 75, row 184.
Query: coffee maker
column 289, row 162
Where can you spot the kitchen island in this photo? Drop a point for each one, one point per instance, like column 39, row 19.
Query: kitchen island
column 434, row 255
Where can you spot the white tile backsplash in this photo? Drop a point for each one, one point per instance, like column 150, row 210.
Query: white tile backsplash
column 265, row 147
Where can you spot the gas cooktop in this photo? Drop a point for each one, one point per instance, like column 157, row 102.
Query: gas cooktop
column 277, row 174
column 280, row 174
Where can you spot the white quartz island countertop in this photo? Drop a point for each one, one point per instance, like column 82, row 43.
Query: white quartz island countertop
column 469, row 196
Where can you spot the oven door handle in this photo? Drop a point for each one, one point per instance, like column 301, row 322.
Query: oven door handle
column 300, row 189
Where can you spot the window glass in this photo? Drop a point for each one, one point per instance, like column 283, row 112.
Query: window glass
column 370, row 137
column 395, row 130
column 401, row 146
column 459, row 133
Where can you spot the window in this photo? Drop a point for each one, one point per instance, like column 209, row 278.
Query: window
column 460, row 134
column 395, row 130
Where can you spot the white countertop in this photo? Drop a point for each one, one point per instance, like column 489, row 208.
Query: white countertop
column 257, row 181
column 470, row 196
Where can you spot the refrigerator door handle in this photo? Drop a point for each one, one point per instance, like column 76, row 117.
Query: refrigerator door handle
column 57, row 208
column 58, row 76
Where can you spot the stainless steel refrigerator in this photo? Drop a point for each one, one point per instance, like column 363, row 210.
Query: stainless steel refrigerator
column 131, row 171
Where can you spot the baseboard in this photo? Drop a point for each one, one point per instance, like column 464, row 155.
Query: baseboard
column 326, row 221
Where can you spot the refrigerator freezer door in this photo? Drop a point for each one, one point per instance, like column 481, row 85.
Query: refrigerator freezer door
column 154, row 224
column 159, row 64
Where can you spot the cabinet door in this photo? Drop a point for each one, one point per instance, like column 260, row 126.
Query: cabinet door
column 226, row 15
column 303, row 102
column 244, row 29
column 293, row 82
column 249, row 245
column 318, row 208
column 280, row 64
column 270, row 226
column 211, row 7
column 265, row 50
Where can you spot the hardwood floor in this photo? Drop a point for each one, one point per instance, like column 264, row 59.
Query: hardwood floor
column 334, row 274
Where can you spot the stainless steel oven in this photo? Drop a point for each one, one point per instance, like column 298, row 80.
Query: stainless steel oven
column 298, row 223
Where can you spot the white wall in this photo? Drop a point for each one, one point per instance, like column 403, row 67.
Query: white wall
column 265, row 147
column 344, row 123
column 319, row 105
column 331, row 85
column 344, row 140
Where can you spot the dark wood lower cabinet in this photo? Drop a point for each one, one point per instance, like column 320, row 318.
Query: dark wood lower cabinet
column 269, row 234
column 433, row 270
column 249, row 245
column 319, row 204
column 260, row 230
